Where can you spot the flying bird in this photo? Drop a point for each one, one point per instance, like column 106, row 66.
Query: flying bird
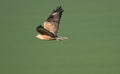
column 49, row 30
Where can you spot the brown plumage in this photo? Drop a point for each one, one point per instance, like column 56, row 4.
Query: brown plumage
column 49, row 30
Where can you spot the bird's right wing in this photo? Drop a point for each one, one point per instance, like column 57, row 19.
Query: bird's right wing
column 43, row 31
column 52, row 22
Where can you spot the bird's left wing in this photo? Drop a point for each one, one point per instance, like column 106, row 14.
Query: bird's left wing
column 43, row 31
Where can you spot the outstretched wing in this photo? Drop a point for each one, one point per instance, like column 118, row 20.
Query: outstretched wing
column 52, row 22
column 43, row 31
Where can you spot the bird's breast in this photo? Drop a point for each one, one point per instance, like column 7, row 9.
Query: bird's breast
column 44, row 37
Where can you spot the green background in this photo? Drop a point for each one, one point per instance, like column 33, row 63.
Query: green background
column 92, row 26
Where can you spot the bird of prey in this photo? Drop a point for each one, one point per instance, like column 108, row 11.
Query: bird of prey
column 49, row 30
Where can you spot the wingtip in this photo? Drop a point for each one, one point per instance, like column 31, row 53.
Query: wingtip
column 40, row 26
column 60, row 6
column 59, row 9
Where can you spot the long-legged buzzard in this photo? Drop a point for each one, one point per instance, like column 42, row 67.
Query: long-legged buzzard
column 50, row 28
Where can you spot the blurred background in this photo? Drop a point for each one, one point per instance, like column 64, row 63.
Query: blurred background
column 92, row 26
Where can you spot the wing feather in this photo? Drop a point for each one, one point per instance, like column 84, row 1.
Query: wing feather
column 43, row 31
column 52, row 22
